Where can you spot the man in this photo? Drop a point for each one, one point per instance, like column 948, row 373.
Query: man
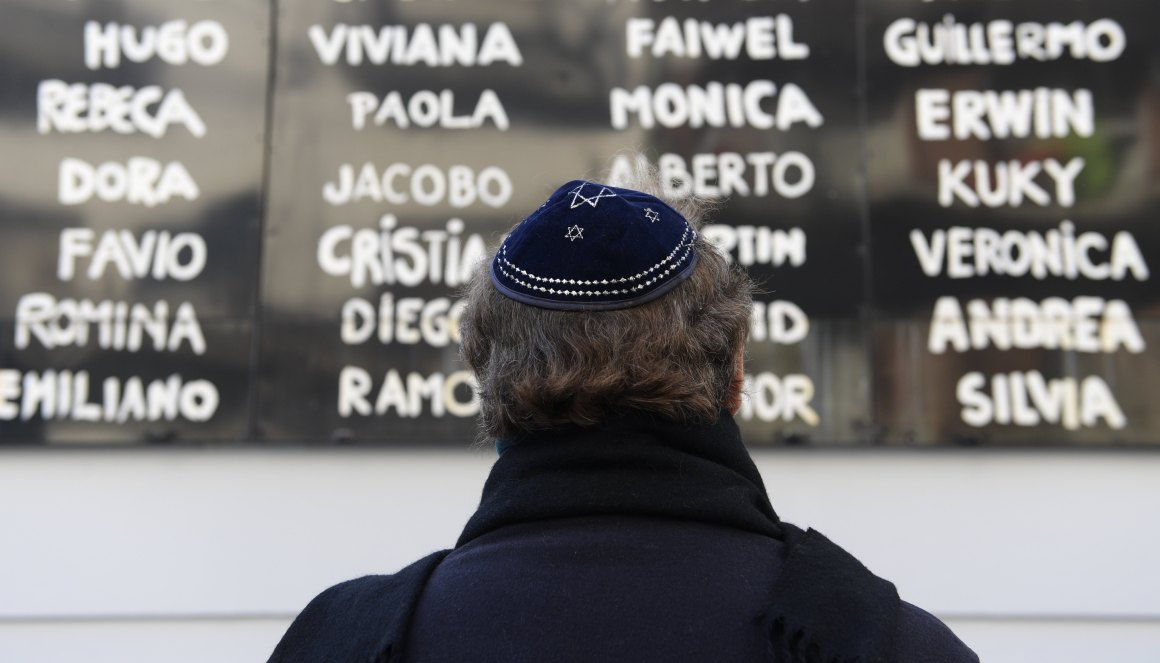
column 624, row 520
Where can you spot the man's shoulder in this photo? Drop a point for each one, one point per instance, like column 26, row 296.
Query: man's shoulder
column 357, row 619
column 923, row 638
column 827, row 597
column 352, row 599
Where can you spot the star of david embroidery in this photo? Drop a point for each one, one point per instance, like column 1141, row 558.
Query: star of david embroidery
column 651, row 215
column 574, row 233
column 578, row 197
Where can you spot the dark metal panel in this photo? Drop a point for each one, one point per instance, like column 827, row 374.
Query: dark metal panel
column 1068, row 360
column 563, row 118
column 133, row 141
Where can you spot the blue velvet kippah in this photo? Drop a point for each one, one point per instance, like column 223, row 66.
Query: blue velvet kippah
column 592, row 247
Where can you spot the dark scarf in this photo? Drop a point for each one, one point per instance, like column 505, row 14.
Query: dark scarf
column 628, row 466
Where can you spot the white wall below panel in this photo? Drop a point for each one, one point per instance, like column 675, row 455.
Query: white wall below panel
column 983, row 533
column 150, row 641
column 1023, row 641
column 229, row 532
column 181, row 532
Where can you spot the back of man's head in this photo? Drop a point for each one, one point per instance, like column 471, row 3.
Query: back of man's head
column 549, row 363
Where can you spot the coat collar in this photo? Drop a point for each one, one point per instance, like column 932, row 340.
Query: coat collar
column 825, row 606
column 628, row 465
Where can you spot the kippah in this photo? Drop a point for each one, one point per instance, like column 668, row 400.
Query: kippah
column 593, row 247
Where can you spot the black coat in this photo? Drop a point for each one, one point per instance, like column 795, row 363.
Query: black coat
column 636, row 540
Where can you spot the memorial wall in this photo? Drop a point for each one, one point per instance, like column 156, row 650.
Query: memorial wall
column 250, row 222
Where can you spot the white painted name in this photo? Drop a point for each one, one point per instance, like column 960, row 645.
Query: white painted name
column 1084, row 324
column 160, row 255
column 65, row 395
column 95, row 107
column 769, row 397
column 758, row 37
column 779, row 322
column 139, row 181
column 454, row 394
column 173, row 42
column 439, row 46
column 57, row 323
column 426, row 185
column 713, row 105
column 941, row 114
column 403, row 255
column 425, row 109
column 758, row 245
column 1029, row 399
column 912, row 43
column 962, row 253
column 406, row 321
column 975, row 182
column 725, row 174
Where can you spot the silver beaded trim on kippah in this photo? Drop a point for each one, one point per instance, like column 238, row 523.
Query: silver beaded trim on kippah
column 687, row 245
column 627, row 279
